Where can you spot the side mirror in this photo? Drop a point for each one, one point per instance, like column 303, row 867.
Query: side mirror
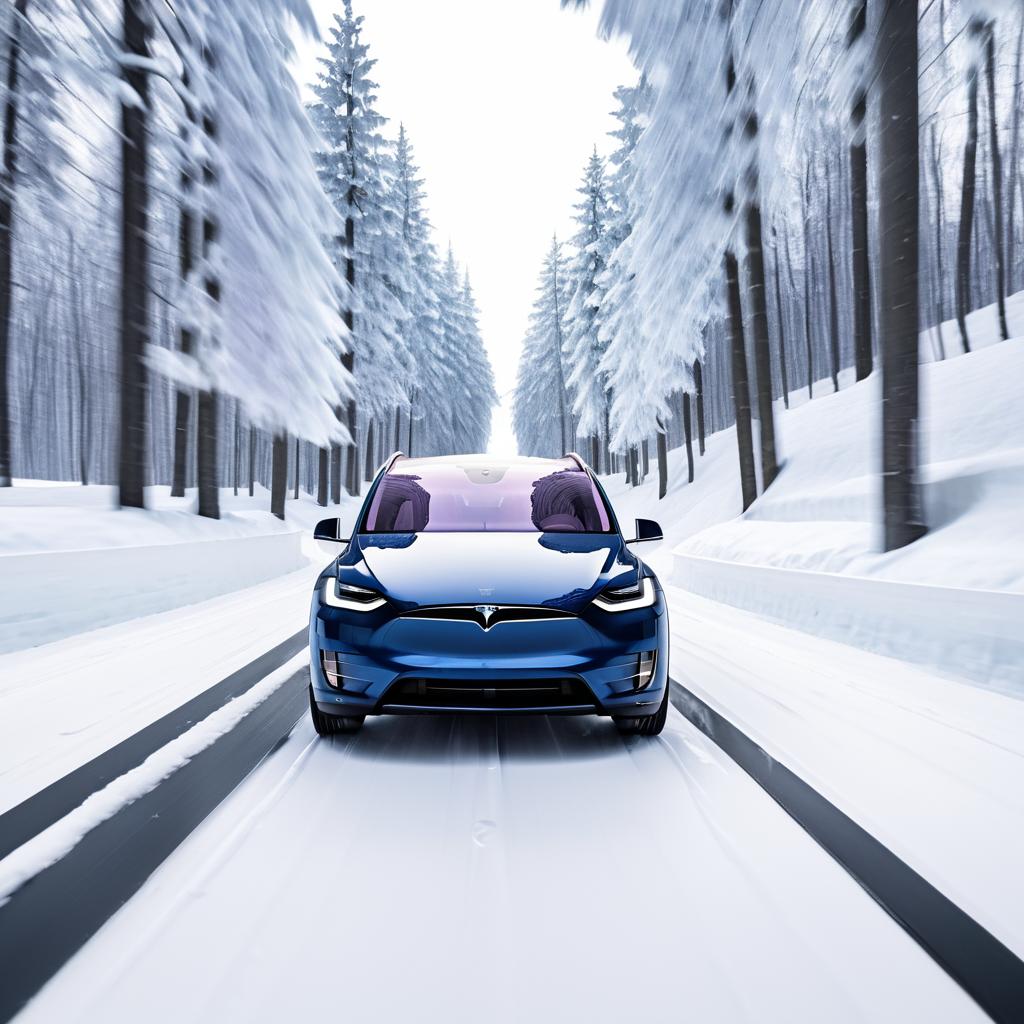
column 646, row 529
column 327, row 534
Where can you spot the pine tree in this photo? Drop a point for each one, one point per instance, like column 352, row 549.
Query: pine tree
column 421, row 330
column 355, row 162
column 639, row 374
column 261, row 302
column 584, row 348
column 542, row 404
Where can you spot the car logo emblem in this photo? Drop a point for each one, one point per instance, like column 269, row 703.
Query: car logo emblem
column 486, row 611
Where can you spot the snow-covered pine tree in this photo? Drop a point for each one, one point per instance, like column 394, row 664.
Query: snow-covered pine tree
column 422, row 331
column 641, row 375
column 542, row 404
column 583, row 345
column 262, row 303
column 473, row 417
column 355, row 162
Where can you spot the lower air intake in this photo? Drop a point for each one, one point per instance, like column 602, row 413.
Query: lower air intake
column 489, row 694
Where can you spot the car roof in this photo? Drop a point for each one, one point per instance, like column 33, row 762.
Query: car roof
column 404, row 464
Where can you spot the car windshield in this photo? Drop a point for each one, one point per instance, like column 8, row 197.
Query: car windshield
column 420, row 496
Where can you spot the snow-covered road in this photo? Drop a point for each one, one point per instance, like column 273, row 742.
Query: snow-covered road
column 500, row 870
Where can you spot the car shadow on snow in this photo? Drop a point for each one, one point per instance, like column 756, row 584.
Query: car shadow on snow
column 437, row 739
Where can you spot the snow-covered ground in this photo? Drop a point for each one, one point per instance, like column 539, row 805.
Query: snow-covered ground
column 466, row 870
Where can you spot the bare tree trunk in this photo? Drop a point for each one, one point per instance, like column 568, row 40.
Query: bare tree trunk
column 298, row 465
column 997, row 178
column 369, row 450
column 898, row 189
column 698, row 383
column 206, row 450
column 207, row 454
column 662, row 443
column 805, row 202
column 782, row 331
column 412, row 399
column 7, row 195
column 863, row 359
column 279, row 475
column 645, row 459
column 323, row 471
column 252, row 460
column 740, row 383
column 135, row 290
column 688, row 434
column 336, row 474
column 398, row 428
column 940, row 303
column 963, row 246
column 595, row 455
column 1011, row 205
column 186, row 264
column 78, row 329
column 833, row 297
column 235, row 467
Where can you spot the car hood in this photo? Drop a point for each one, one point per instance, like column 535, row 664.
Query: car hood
column 563, row 570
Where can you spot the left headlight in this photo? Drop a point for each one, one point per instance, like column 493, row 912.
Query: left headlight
column 350, row 597
column 625, row 599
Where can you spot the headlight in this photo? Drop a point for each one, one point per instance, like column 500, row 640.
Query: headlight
column 349, row 597
column 625, row 599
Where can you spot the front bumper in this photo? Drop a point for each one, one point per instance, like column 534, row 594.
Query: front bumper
column 576, row 665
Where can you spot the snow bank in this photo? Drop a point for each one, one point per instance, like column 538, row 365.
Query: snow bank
column 51, row 595
column 71, row 562
column 808, row 552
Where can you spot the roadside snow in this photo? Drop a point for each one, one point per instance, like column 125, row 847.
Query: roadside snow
column 71, row 562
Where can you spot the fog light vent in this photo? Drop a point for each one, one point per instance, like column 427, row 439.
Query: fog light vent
column 645, row 669
column 332, row 671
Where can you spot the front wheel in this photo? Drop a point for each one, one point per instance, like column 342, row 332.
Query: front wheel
column 328, row 725
column 649, row 725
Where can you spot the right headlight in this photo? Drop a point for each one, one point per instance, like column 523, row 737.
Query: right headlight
column 625, row 599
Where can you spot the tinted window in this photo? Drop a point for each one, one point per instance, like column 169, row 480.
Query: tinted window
column 420, row 496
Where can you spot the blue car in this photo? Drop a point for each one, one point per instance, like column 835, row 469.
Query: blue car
column 485, row 585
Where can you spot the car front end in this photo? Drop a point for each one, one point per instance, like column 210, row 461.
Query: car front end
column 486, row 621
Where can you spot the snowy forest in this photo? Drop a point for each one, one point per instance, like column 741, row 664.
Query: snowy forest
column 206, row 282
column 793, row 192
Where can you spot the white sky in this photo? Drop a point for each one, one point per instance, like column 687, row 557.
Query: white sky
column 503, row 102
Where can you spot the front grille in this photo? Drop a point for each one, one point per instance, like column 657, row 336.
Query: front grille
column 489, row 694
column 487, row 616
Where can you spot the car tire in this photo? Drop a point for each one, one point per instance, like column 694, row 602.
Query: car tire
column 648, row 725
column 329, row 725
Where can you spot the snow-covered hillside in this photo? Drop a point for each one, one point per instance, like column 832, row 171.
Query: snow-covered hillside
column 821, row 516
